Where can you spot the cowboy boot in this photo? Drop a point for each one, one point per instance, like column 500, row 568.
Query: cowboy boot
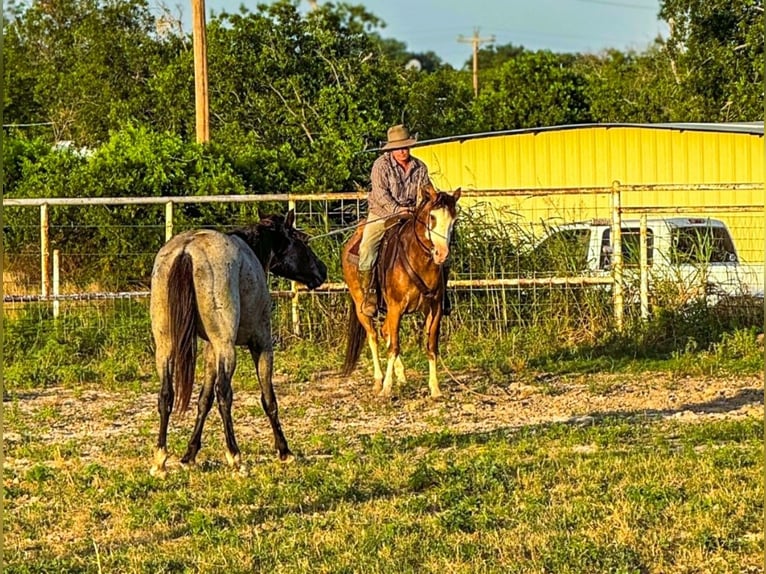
column 370, row 301
column 446, row 303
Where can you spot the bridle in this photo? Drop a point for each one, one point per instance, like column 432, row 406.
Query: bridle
column 429, row 251
column 417, row 218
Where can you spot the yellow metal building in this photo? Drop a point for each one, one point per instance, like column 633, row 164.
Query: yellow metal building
column 594, row 156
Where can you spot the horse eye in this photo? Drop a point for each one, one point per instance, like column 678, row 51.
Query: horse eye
column 433, row 221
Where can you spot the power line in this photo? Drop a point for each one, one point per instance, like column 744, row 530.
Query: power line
column 621, row 4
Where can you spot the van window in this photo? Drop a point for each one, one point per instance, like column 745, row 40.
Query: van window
column 631, row 247
column 563, row 251
column 695, row 245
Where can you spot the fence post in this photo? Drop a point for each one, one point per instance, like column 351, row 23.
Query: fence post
column 168, row 220
column 295, row 304
column 45, row 278
column 617, row 287
column 56, row 284
column 644, row 269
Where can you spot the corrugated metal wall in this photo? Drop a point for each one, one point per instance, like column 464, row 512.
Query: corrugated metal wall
column 592, row 156
column 595, row 156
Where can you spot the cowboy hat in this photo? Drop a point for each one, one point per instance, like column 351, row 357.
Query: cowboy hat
column 398, row 138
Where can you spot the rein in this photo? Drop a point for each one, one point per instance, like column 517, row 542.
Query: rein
column 413, row 275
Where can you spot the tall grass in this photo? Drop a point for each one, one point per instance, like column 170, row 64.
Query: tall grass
column 491, row 331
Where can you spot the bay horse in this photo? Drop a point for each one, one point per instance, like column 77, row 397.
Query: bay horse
column 409, row 273
column 212, row 285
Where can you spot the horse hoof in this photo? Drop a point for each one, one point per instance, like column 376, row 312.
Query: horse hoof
column 233, row 460
column 286, row 457
column 242, row 471
column 160, row 473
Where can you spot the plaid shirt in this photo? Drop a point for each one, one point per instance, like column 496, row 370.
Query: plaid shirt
column 393, row 191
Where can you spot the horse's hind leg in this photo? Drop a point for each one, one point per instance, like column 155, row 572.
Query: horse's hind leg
column 394, row 365
column 165, row 407
column 204, row 403
column 372, row 342
column 264, row 365
column 226, row 364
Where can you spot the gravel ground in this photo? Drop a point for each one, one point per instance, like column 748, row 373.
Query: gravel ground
column 347, row 406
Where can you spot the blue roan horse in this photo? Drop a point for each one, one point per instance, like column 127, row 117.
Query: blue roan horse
column 213, row 285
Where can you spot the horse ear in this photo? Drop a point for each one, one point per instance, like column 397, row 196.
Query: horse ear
column 290, row 218
column 457, row 193
column 261, row 214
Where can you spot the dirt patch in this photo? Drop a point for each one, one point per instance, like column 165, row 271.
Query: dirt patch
column 347, row 406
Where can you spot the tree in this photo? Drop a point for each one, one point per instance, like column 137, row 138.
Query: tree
column 440, row 104
column 715, row 52
column 631, row 87
column 319, row 83
column 495, row 56
column 530, row 90
column 84, row 65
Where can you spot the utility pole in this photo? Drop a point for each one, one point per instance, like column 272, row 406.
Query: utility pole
column 475, row 41
column 200, row 71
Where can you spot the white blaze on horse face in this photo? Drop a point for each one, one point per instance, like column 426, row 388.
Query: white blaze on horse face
column 440, row 229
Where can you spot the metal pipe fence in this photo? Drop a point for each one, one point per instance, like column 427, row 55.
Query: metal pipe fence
column 496, row 232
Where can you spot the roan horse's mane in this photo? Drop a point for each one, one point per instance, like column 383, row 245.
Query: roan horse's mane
column 253, row 234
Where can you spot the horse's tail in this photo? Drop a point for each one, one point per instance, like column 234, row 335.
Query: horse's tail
column 182, row 309
column 356, row 337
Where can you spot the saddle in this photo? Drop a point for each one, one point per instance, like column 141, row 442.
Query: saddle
column 392, row 226
column 382, row 263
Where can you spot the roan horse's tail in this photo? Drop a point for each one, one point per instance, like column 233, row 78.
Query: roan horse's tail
column 182, row 310
column 356, row 337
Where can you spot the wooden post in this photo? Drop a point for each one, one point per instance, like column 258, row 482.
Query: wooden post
column 45, row 255
column 168, row 220
column 56, row 285
column 295, row 304
column 644, row 269
column 199, row 37
column 617, row 288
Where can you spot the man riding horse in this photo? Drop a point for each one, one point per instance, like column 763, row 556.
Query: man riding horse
column 396, row 178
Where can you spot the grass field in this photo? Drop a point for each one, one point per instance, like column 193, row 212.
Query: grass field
column 620, row 473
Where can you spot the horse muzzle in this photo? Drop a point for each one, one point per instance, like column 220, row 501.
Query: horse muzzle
column 439, row 256
column 319, row 277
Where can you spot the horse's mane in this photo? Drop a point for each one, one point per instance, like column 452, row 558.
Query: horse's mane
column 249, row 234
column 442, row 199
column 252, row 235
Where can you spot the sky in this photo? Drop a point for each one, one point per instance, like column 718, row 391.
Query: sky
column 557, row 25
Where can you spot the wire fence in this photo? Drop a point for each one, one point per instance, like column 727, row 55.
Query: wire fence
column 73, row 254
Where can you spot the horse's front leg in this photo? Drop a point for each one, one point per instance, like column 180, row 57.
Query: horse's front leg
column 264, row 365
column 431, row 327
column 165, row 407
column 204, row 404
